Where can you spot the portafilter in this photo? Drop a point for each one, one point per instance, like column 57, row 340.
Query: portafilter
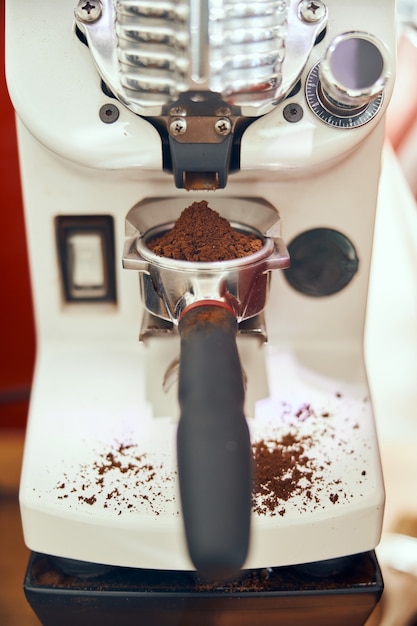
column 206, row 301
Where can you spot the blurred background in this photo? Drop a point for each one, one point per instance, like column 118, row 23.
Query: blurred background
column 17, row 338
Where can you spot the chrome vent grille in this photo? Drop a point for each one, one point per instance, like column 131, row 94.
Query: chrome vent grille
column 234, row 48
column 247, row 48
column 152, row 48
column 248, row 52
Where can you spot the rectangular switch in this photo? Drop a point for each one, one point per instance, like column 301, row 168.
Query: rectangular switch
column 86, row 256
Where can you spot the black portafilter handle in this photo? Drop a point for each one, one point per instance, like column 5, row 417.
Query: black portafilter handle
column 213, row 443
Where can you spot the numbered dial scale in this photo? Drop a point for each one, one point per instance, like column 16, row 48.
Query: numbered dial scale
column 346, row 88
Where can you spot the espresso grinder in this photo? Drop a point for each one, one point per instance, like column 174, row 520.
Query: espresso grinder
column 201, row 446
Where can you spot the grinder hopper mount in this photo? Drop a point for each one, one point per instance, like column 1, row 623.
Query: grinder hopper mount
column 227, row 461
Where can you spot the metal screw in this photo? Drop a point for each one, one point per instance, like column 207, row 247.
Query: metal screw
column 223, row 126
column 293, row 112
column 109, row 113
column 312, row 11
column 176, row 111
column 222, row 111
column 178, row 126
column 88, row 10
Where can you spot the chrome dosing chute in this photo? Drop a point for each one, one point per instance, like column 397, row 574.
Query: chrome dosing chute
column 206, row 300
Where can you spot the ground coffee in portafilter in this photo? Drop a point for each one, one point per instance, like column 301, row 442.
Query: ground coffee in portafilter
column 201, row 234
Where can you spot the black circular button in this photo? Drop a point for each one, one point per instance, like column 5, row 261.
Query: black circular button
column 323, row 262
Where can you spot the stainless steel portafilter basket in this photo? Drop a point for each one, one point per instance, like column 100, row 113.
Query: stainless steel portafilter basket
column 206, row 301
column 169, row 286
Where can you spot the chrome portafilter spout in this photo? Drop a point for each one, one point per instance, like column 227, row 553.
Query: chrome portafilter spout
column 206, row 301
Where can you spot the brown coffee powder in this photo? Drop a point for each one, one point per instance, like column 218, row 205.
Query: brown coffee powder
column 201, row 234
column 295, row 470
column 283, row 469
column 121, row 479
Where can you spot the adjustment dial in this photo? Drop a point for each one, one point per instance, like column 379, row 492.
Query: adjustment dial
column 346, row 88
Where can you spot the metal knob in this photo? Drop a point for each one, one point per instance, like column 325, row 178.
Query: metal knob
column 354, row 71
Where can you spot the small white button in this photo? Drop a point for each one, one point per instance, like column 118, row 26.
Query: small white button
column 87, row 275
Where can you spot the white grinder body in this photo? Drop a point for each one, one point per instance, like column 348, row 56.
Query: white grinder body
column 99, row 480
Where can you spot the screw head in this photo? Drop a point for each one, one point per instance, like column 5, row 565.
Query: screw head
column 88, row 11
column 222, row 111
column 293, row 112
column 223, row 126
column 312, row 11
column 177, row 111
column 109, row 113
column 178, row 126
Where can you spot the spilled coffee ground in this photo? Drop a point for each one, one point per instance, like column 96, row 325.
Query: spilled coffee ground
column 297, row 467
column 121, row 479
column 306, row 458
column 201, row 234
column 283, row 469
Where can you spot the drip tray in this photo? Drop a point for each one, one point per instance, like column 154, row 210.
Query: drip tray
column 341, row 591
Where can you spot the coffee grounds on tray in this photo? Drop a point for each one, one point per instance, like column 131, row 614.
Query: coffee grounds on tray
column 201, row 234
column 283, row 469
column 291, row 470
